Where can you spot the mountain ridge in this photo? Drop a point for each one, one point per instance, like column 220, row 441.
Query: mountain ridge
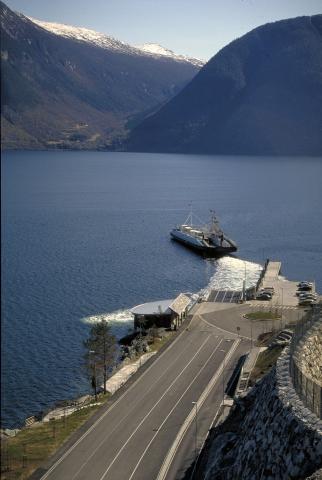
column 109, row 42
column 61, row 92
column 260, row 95
column 157, row 49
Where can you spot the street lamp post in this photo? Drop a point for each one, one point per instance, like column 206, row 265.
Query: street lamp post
column 282, row 299
column 244, row 283
column 281, row 322
column 223, row 377
column 196, row 427
column 251, row 333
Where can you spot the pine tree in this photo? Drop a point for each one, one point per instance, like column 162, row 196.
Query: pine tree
column 100, row 353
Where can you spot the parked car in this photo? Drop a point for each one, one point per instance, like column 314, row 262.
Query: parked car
column 264, row 296
column 304, row 295
column 307, row 301
column 304, row 288
column 285, row 335
column 269, row 290
column 305, row 284
column 282, row 338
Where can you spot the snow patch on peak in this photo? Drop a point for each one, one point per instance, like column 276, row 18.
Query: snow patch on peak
column 157, row 50
column 83, row 34
column 110, row 43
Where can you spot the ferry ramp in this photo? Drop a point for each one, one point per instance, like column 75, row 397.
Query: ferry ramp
column 272, row 272
column 225, row 296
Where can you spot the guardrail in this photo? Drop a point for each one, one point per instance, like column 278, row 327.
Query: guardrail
column 308, row 390
column 262, row 274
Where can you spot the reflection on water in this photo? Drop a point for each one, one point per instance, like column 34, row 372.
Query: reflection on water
column 231, row 272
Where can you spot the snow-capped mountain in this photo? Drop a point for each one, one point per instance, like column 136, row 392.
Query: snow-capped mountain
column 156, row 49
column 84, row 35
column 70, row 87
column 108, row 42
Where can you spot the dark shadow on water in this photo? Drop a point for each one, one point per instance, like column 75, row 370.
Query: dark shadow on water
column 202, row 255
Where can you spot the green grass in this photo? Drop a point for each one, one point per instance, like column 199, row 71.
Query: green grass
column 32, row 446
column 263, row 316
column 265, row 361
column 159, row 342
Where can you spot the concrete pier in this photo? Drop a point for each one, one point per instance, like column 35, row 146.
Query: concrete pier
column 285, row 290
column 271, row 274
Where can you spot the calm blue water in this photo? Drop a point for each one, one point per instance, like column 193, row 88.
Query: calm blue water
column 86, row 235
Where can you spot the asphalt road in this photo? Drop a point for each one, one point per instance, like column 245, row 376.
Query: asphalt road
column 132, row 439
column 193, row 440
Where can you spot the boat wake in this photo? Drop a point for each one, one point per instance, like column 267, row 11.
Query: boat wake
column 230, row 274
column 121, row 321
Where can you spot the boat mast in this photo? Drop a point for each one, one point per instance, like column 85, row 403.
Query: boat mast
column 189, row 218
column 214, row 220
column 214, row 226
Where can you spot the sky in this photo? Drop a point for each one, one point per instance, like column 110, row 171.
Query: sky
column 197, row 28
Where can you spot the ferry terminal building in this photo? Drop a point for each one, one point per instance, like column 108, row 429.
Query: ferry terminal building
column 162, row 313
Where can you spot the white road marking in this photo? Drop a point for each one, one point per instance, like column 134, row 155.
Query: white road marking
column 155, row 405
column 111, row 407
column 174, row 448
column 129, row 412
column 222, row 329
column 176, row 404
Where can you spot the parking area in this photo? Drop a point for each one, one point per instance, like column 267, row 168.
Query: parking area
column 283, row 293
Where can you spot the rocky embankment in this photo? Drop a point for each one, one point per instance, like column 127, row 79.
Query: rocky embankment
column 273, row 436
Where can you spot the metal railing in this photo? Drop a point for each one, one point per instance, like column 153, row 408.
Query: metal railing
column 262, row 275
column 309, row 391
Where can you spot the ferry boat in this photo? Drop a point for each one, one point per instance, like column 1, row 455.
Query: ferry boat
column 208, row 239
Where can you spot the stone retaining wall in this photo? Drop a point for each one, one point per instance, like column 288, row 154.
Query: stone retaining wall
column 309, row 357
column 306, row 363
column 279, row 438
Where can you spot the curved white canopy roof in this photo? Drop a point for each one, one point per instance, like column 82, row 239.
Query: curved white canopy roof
column 160, row 307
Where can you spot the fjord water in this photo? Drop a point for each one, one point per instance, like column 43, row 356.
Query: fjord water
column 85, row 235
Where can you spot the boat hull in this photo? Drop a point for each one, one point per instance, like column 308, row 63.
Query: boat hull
column 210, row 251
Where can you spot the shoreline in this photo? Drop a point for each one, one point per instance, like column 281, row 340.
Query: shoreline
column 69, row 406
column 201, row 294
column 71, row 403
column 89, row 418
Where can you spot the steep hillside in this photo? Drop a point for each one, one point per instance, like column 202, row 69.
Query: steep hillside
column 67, row 87
column 260, row 95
